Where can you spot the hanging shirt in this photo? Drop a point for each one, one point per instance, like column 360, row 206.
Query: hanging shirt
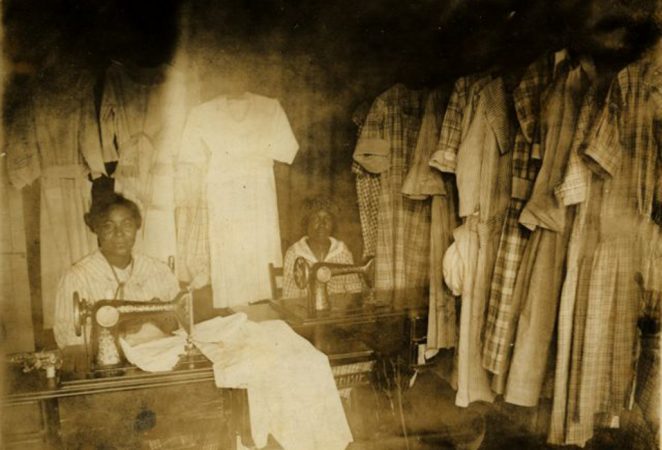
column 338, row 253
column 93, row 279
column 142, row 115
column 234, row 143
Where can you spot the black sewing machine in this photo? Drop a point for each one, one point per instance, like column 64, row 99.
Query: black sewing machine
column 109, row 318
column 315, row 279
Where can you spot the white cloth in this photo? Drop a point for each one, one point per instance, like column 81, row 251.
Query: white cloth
column 338, row 253
column 142, row 117
column 234, row 143
column 291, row 391
column 93, row 279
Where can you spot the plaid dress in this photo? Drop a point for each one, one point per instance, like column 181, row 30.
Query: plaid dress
column 367, row 192
column 482, row 164
column 425, row 184
column 527, row 97
column 386, row 146
column 566, row 118
column 598, row 351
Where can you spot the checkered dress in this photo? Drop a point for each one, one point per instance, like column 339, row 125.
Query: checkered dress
column 513, row 238
column 389, row 135
column 624, row 155
column 367, row 191
column 567, row 118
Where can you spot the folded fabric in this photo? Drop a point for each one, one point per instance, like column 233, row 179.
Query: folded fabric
column 292, row 394
column 291, row 391
column 159, row 355
column 456, row 260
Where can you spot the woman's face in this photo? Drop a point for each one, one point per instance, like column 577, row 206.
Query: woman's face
column 320, row 225
column 117, row 231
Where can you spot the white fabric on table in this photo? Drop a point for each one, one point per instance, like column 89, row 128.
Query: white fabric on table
column 291, row 391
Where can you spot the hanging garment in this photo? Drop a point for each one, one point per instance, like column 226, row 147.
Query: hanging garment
column 338, row 253
column 597, row 345
column 16, row 322
column 235, row 143
column 566, row 118
column 526, row 163
column 61, row 145
column 648, row 365
column 482, row 167
column 367, row 192
column 385, row 147
column 421, row 183
column 142, row 115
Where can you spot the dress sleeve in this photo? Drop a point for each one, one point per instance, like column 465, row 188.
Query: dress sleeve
column 282, row 144
column 373, row 150
column 63, row 323
column 450, row 136
column 21, row 148
column 604, row 154
column 109, row 117
column 89, row 138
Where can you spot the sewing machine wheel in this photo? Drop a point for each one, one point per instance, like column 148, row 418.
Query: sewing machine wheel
column 301, row 271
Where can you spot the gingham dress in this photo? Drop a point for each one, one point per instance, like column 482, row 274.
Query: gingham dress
column 385, row 147
column 566, row 118
column 597, row 352
column 527, row 97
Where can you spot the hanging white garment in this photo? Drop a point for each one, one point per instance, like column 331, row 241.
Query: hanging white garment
column 60, row 143
column 142, row 116
column 234, row 142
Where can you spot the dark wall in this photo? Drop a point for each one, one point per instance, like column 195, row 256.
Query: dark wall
column 321, row 58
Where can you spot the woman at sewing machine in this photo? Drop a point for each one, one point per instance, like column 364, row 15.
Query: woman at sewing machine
column 113, row 271
column 319, row 222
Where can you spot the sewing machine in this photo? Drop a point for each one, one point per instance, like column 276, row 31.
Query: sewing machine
column 107, row 318
column 315, row 279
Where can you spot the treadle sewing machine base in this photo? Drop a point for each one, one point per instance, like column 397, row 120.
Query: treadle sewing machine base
column 123, row 407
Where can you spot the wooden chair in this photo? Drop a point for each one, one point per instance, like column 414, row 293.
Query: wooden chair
column 276, row 280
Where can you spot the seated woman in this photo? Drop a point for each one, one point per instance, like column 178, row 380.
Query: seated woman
column 319, row 220
column 114, row 271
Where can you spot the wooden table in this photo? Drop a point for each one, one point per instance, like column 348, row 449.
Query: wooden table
column 134, row 406
column 388, row 322
column 38, row 411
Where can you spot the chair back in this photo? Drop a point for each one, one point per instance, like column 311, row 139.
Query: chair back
column 276, row 280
